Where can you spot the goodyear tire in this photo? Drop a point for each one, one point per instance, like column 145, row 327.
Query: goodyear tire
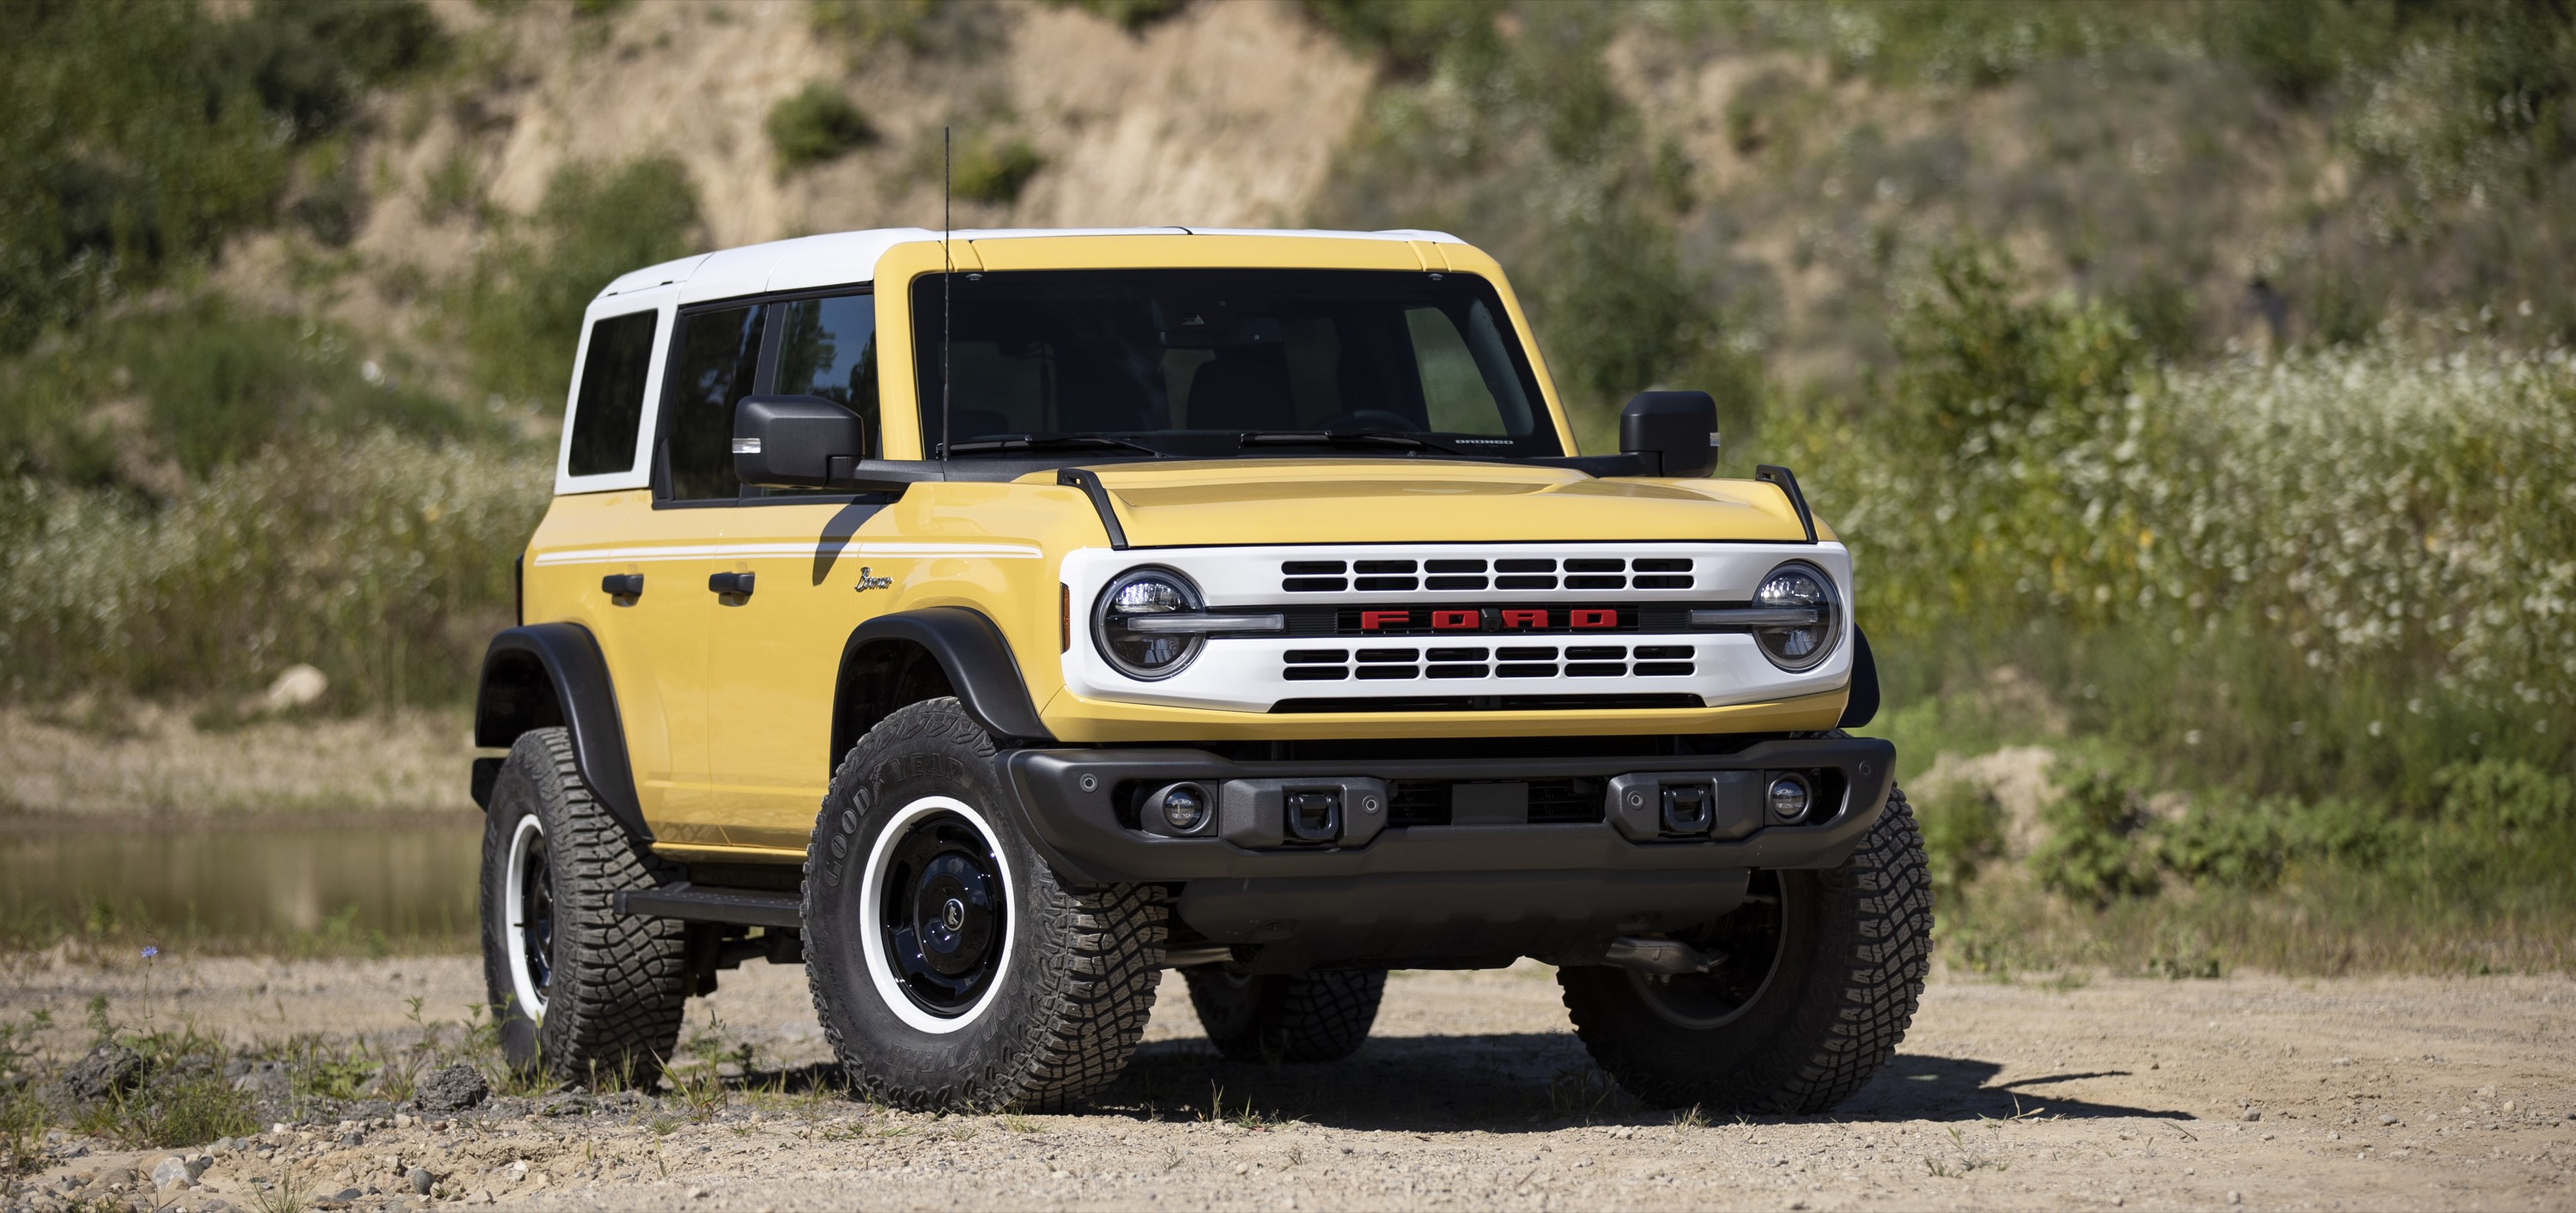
column 1824, row 972
column 577, row 990
column 1299, row 1017
column 950, row 967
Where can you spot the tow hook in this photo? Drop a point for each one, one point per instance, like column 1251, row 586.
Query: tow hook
column 1661, row 957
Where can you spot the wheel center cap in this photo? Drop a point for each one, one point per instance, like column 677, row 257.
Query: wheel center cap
column 953, row 914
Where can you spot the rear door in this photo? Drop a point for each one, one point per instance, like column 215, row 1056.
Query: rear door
column 775, row 652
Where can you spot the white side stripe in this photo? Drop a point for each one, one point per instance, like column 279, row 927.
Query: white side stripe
column 751, row 551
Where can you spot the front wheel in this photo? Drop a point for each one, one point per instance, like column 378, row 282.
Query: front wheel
column 1821, row 976
column 950, row 967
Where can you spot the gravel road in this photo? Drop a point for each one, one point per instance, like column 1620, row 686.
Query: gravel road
column 2250, row 1091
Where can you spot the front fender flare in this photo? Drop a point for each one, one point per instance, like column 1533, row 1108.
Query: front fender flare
column 973, row 654
column 541, row 675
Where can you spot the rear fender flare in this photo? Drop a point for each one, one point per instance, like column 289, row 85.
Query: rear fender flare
column 541, row 675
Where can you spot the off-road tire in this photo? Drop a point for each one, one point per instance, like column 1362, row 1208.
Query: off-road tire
column 1846, row 986
column 1076, row 973
column 1295, row 1017
column 612, row 1008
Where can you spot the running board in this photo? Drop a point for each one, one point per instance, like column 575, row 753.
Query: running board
column 747, row 907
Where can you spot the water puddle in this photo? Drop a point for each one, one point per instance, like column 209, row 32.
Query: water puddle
column 258, row 883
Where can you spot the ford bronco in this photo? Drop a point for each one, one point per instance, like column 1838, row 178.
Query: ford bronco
column 990, row 622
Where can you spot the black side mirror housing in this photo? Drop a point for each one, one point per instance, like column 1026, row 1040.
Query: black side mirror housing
column 1674, row 432
column 801, row 442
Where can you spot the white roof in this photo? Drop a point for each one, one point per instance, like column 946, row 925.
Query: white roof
column 851, row 257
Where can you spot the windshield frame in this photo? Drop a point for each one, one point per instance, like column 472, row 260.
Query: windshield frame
column 1543, row 441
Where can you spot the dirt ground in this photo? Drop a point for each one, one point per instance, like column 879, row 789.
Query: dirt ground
column 2254, row 1091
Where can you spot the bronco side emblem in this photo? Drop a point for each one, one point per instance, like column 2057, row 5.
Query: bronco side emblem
column 868, row 582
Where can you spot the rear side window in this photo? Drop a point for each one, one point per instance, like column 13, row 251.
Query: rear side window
column 828, row 348
column 717, row 365
column 610, row 406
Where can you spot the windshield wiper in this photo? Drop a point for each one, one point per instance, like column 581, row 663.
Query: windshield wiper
column 1342, row 438
column 1045, row 442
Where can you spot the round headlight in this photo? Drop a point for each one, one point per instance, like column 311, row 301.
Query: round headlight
column 1139, row 593
column 1801, row 587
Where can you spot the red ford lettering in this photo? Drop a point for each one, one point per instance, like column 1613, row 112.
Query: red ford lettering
column 1595, row 617
column 1371, row 621
column 1457, row 621
column 1525, row 620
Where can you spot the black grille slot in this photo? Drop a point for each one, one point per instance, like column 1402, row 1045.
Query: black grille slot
column 1662, row 669
column 1455, row 583
column 1524, row 566
column 1595, row 581
column 1591, row 564
column 1427, row 802
column 1633, row 702
column 1457, row 671
column 1385, row 583
column 1316, row 585
column 1382, row 673
column 1526, row 670
column 1596, row 669
column 1456, row 654
column 1659, row 564
column 1385, row 566
column 1596, row 652
column 1316, row 656
column 1317, row 673
column 1524, row 582
column 1453, row 566
column 1296, row 567
column 1663, row 652
column 1518, row 654
column 1662, row 583
column 1389, row 654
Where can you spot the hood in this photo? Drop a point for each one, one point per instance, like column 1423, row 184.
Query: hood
column 1244, row 501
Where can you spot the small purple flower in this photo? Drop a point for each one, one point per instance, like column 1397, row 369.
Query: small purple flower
column 149, row 953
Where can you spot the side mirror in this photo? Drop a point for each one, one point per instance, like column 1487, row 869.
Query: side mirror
column 805, row 442
column 1674, row 432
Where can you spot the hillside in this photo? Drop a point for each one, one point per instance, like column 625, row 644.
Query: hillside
column 2191, row 379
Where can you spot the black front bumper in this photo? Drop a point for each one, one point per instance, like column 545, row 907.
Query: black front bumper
column 1435, row 893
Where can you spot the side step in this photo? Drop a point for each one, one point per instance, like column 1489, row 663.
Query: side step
column 747, row 907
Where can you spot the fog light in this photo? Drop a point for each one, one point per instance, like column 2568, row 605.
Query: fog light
column 1789, row 797
column 1184, row 806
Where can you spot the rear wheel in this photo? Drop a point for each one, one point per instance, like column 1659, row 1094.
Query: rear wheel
column 1295, row 1017
column 950, row 967
column 576, row 988
column 1821, row 977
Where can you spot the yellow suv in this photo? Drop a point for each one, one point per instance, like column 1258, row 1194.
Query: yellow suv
column 1234, row 602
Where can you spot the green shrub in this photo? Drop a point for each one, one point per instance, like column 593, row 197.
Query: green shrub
column 1133, row 16
column 1963, row 830
column 815, row 124
column 524, row 300
column 2504, row 796
column 994, row 167
column 2092, row 853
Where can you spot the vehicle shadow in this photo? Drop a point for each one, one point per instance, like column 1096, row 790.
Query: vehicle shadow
column 1534, row 1081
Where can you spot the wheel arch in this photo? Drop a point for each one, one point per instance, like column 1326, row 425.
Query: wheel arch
column 909, row 656
column 545, row 675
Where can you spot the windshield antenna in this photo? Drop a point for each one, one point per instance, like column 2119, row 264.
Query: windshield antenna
column 947, row 282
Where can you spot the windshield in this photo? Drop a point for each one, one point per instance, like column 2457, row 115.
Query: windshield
column 1207, row 363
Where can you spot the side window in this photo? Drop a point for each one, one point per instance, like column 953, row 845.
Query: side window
column 828, row 348
column 610, row 406
column 717, row 362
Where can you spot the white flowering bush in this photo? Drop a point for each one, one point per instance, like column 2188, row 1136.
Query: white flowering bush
column 385, row 561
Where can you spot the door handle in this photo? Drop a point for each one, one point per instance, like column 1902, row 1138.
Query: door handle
column 730, row 583
column 622, row 585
